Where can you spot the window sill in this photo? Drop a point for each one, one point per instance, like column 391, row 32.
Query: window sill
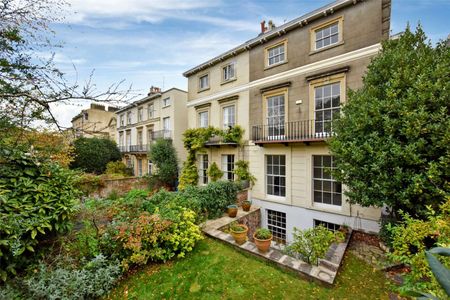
column 275, row 65
column 228, row 81
column 275, row 198
column 166, row 106
column 327, row 207
column 202, row 90
column 326, row 48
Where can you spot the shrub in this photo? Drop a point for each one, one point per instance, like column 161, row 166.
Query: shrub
column 93, row 154
column 263, row 234
column 164, row 156
column 214, row 172
column 412, row 238
column 118, row 168
column 89, row 183
column 311, row 244
column 242, row 172
column 37, row 198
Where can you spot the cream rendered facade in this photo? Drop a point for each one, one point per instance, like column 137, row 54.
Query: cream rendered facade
column 219, row 110
column 162, row 114
column 288, row 90
column 96, row 121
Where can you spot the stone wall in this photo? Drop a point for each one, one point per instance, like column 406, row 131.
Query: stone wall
column 121, row 186
column 241, row 197
column 252, row 220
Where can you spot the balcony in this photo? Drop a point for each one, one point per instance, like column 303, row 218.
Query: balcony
column 305, row 131
column 142, row 148
column 218, row 141
column 162, row 134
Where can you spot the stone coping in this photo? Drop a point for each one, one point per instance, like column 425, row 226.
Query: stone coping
column 325, row 272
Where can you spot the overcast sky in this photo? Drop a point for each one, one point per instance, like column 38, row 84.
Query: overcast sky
column 152, row 42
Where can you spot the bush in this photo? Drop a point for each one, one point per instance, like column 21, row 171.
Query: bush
column 89, row 183
column 118, row 168
column 263, row 234
column 37, row 199
column 243, row 173
column 214, row 172
column 93, row 154
column 164, row 156
column 311, row 244
column 411, row 238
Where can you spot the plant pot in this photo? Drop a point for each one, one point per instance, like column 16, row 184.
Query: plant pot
column 262, row 245
column 232, row 211
column 245, row 184
column 246, row 205
column 240, row 237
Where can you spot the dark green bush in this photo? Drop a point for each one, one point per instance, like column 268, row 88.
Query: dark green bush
column 93, row 154
column 163, row 154
column 37, row 200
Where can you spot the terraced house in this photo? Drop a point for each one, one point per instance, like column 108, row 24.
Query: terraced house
column 161, row 114
column 297, row 81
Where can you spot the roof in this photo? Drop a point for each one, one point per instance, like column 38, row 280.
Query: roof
column 278, row 31
column 147, row 98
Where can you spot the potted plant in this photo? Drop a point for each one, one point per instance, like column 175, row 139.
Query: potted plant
column 214, row 172
column 263, row 238
column 243, row 174
column 232, row 210
column 246, row 205
column 239, row 232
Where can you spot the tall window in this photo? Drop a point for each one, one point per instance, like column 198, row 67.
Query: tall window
column 275, row 115
column 327, row 35
column 229, row 116
column 151, row 110
column 203, row 82
column 122, row 120
column 166, row 123
column 228, row 167
column 203, row 119
column 128, row 139
column 276, row 175
column 140, row 137
column 149, row 135
column 228, row 72
column 276, row 55
column 140, row 114
column 166, row 102
column 150, row 167
column 139, row 169
column 203, row 168
column 129, row 118
column 326, row 189
column 276, row 223
column 327, row 99
column 121, row 138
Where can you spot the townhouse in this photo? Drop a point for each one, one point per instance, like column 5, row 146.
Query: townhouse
column 161, row 114
column 298, row 77
column 95, row 121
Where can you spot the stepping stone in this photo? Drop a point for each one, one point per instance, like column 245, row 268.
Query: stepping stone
column 276, row 255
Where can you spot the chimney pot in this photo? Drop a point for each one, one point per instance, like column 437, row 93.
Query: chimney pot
column 263, row 26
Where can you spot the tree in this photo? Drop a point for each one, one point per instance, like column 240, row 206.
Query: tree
column 392, row 142
column 93, row 154
column 163, row 154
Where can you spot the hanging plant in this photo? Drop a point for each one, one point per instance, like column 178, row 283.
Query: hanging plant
column 214, row 172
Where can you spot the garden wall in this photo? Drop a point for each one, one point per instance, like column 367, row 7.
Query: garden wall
column 120, row 185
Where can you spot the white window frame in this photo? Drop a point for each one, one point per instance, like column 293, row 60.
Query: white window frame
column 166, row 124
column 228, row 161
column 150, row 167
column 276, row 121
column 200, row 82
column 229, row 72
column 276, row 54
column 140, row 114
column 122, row 120
column 166, row 102
column 327, row 225
column 129, row 118
column 203, row 166
column 323, row 116
column 139, row 167
column 203, row 118
column 327, row 34
column 228, row 119
column 323, row 178
column 275, row 175
column 276, row 223
column 151, row 110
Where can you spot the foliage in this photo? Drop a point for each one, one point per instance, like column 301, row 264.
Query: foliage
column 37, row 198
column 93, row 154
column 233, row 134
column 194, row 140
column 392, row 143
column 92, row 280
column 243, row 173
column 118, row 168
column 202, row 273
column 311, row 244
column 163, row 154
column 236, row 227
column 440, row 272
column 89, row 183
column 410, row 240
column 214, row 172
column 263, row 234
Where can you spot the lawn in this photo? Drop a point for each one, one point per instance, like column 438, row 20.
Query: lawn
column 217, row 271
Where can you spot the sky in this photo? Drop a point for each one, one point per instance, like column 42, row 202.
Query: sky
column 152, row 42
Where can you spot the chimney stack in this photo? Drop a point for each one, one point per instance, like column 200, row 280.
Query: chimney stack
column 271, row 25
column 263, row 26
column 154, row 90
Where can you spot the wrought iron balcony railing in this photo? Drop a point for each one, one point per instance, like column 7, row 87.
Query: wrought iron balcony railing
column 289, row 132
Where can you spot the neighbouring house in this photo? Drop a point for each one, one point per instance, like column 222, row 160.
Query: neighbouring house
column 96, row 121
column 161, row 114
column 206, row 107
column 298, row 75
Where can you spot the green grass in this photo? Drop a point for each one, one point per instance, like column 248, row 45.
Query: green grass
column 217, row 271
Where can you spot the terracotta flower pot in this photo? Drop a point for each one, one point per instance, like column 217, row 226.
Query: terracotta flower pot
column 246, row 206
column 240, row 237
column 262, row 245
column 232, row 211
